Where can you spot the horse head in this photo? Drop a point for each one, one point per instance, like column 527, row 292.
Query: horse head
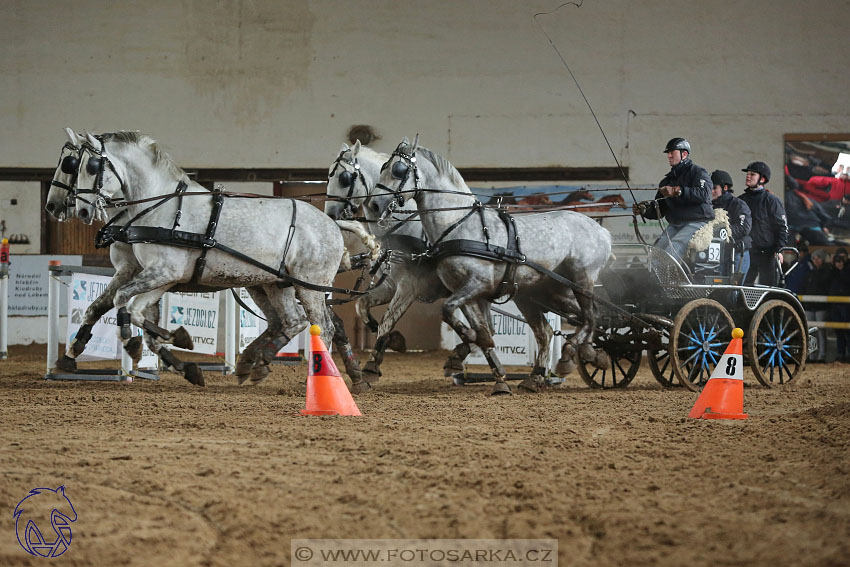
column 98, row 177
column 62, row 195
column 399, row 179
column 347, row 185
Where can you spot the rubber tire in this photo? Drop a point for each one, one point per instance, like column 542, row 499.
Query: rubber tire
column 678, row 347
column 754, row 347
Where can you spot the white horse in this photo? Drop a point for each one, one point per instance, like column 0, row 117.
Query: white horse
column 402, row 279
column 482, row 255
column 61, row 203
column 186, row 238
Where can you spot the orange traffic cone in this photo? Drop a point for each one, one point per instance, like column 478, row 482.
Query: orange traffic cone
column 327, row 393
column 723, row 395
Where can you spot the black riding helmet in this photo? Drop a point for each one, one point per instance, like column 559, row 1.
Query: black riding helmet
column 720, row 177
column 759, row 167
column 677, row 144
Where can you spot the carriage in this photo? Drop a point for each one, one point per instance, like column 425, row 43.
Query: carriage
column 682, row 314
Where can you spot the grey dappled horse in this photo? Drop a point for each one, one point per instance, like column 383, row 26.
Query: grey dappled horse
column 61, row 203
column 570, row 244
column 127, row 167
column 402, row 280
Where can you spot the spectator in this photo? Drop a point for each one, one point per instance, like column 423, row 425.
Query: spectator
column 817, row 283
column 740, row 219
column 840, row 312
column 770, row 226
column 795, row 280
column 683, row 198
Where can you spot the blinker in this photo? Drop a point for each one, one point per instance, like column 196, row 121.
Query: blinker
column 93, row 165
column 345, row 178
column 399, row 169
column 70, row 164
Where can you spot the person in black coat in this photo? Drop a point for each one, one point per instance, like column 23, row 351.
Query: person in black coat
column 683, row 199
column 740, row 218
column 769, row 232
column 840, row 312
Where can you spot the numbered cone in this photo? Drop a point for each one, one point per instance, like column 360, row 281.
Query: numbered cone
column 723, row 395
column 327, row 393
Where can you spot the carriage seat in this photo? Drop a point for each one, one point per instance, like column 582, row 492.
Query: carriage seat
column 711, row 252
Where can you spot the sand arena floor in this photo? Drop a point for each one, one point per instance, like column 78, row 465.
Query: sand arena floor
column 163, row 473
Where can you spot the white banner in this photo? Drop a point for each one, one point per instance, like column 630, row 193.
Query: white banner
column 515, row 343
column 104, row 344
column 198, row 314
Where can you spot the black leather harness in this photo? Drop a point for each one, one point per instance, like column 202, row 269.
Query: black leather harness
column 130, row 234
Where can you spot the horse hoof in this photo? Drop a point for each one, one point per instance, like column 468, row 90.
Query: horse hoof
column 134, row 348
column 501, row 389
column 586, row 352
column 259, row 373
column 193, row 373
column 451, row 367
column 602, row 361
column 371, row 373
column 181, row 338
column 565, row 367
column 67, row 364
column 360, row 387
column 396, row 342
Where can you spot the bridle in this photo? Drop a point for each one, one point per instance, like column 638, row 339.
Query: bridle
column 96, row 166
column 349, row 179
column 69, row 165
column 401, row 170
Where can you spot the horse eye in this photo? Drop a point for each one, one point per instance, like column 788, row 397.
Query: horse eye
column 399, row 169
column 345, row 178
column 70, row 164
column 93, row 165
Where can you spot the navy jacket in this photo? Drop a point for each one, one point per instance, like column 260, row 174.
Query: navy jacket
column 740, row 218
column 770, row 225
column 694, row 204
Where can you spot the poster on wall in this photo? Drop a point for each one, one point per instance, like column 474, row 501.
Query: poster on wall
column 198, row 314
column 28, row 282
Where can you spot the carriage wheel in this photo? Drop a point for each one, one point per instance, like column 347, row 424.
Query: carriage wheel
column 660, row 362
column 776, row 345
column 625, row 361
column 701, row 332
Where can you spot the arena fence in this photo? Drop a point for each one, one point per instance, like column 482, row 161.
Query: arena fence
column 826, row 299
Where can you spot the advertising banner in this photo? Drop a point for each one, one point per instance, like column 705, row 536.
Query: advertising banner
column 198, row 314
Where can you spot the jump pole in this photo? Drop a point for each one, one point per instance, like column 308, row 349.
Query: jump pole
column 4, row 299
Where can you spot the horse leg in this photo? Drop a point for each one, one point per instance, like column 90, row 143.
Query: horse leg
column 478, row 315
column 146, row 289
column 133, row 346
column 380, row 295
column 454, row 363
column 248, row 365
column 98, row 308
column 400, row 303
column 349, row 359
column 543, row 334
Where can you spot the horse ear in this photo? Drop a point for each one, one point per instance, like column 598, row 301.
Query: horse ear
column 343, row 148
column 405, row 141
column 72, row 136
column 356, row 149
column 92, row 140
column 415, row 143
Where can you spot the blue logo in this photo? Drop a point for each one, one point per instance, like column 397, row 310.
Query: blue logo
column 177, row 315
column 80, row 290
column 41, row 502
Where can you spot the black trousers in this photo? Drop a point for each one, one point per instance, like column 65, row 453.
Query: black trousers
column 764, row 266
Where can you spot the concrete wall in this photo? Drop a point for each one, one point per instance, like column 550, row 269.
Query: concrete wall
column 272, row 83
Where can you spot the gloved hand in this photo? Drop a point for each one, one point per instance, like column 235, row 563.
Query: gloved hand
column 670, row 190
column 640, row 208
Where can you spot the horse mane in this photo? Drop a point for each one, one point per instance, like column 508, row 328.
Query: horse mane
column 441, row 164
column 161, row 158
column 371, row 154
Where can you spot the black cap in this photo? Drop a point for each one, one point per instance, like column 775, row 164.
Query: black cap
column 720, row 177
column 759, row 167
column 677, row 144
